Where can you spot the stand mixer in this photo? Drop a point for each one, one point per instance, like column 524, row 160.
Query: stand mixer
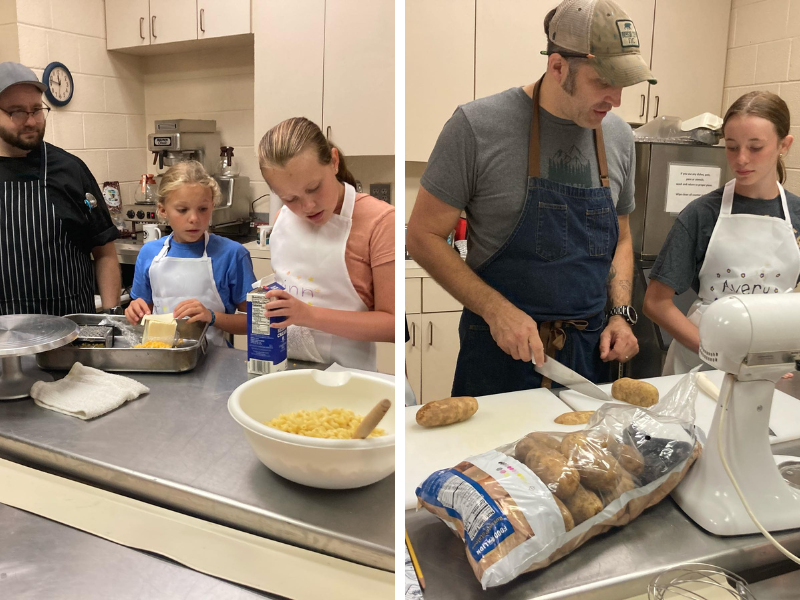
column 755, row 340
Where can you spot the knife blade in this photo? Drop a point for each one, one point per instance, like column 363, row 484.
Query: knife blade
column 562, row 374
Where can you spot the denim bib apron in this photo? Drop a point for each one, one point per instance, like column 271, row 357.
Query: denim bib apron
column 554, row 266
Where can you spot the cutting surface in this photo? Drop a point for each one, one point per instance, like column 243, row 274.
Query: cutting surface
column 501, row 418
column 784, row 419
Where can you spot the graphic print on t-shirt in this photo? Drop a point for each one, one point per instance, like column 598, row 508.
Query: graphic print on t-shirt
column 570, row 168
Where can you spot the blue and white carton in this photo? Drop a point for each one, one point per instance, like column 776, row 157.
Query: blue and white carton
column 266, row 345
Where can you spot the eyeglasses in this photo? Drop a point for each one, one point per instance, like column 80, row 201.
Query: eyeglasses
column 20, row 117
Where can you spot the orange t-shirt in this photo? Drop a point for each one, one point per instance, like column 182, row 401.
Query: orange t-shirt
column 370, row 244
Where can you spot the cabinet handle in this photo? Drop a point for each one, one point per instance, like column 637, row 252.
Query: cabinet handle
column 642, row 113
column 430, row 333
column 657, row 103
column 141, row 27
column 328, row 134
column 202, row 22
column 153, row 26
column 413, row 335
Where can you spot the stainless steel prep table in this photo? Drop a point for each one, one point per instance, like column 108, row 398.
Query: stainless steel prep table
column 179, row 447
column 40, row 559
column 613, row 566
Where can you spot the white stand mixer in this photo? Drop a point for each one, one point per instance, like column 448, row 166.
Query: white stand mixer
column 755, row 339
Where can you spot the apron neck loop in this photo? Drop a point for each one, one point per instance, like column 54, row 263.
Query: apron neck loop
column 167, row 242
column 349, row 201
column 726, row 208
column 533, row 146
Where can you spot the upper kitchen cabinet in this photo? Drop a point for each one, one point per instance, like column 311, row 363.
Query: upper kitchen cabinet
column 358, row 95
column 220, row 19
column 332, row 62
column 127, row 23
column 689, row 55
column 440, row 68
column 633, row 107
column 134, row 24
column 289, row 49
column 173, row 21
column 509, row 38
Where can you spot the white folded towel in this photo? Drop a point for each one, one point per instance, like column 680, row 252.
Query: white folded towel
column 300, row 344
column 86, row 392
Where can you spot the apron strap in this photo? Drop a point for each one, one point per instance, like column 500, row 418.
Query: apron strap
column 349, row 201
column 533, row 146
column 784, row 204
column 727, row 198
column 553, row 338
column 163, row 252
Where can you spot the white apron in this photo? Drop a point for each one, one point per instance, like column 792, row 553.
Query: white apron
column 309, row 262
column 747, row 254
column 174, row 280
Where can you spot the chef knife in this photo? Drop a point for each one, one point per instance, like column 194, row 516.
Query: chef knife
column 559, row 373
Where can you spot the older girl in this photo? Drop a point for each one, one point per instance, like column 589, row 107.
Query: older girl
column 739, row 239
column 332, row 249
column 192, row 273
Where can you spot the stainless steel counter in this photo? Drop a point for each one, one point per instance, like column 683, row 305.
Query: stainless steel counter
column 613, row 566
column 40, row 559
column 179, row 447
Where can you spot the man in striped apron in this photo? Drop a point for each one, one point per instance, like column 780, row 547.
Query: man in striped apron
column 53, row 219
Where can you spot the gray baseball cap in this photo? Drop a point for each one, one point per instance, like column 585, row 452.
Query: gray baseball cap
column 12, row 73
column 602, row 31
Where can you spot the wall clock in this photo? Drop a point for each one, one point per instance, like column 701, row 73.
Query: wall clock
column 60, row 85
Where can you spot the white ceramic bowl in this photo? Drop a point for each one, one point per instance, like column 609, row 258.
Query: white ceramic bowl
column 316, row 462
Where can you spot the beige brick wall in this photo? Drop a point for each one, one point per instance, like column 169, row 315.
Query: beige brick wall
column 764, row 54
column 104, row 122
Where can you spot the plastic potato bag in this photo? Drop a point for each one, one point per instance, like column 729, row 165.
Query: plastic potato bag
column 526, row 504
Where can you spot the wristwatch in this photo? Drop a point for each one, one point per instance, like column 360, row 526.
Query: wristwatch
column 117, row 310
column 627, row 312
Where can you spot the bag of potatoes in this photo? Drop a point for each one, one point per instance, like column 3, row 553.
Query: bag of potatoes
column 524, row 505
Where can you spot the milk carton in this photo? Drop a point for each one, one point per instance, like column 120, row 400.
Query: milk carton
column 266, row 345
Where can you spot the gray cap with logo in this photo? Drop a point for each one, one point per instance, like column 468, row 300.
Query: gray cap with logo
column 12, row 73
column 601, row 30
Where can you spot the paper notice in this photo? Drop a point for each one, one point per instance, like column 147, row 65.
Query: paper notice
column 687, row 182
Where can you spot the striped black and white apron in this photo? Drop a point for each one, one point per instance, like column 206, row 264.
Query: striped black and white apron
column 41, row 270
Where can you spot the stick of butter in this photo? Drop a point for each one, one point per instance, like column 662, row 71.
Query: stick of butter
column 159, row 328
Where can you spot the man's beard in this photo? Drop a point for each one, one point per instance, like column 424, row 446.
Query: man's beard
column 15, row 139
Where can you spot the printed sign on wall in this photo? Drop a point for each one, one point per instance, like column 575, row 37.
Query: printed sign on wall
column 687, row 182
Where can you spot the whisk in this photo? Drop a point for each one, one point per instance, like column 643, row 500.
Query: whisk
column 698, row 581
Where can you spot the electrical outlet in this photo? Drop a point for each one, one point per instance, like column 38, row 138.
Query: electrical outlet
column 382, row 191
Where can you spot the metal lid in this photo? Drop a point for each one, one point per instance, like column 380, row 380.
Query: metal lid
column 31, row 334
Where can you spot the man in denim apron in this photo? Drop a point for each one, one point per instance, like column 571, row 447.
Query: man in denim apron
column 548, row 251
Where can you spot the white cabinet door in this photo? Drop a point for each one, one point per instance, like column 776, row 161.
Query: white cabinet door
column 127, row 23
column 218, row 18
column 289, row 49
column 358, row 107
column 173, row 21
column 414, row 354
column 440, row 345
column 689, row 57
column 509, row 38
column 440, row 68
column 633, row 107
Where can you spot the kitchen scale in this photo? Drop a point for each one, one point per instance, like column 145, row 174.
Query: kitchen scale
column 21, row 335
column 755, row 340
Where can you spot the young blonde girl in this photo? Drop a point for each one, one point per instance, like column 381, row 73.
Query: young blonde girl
column 192, row 273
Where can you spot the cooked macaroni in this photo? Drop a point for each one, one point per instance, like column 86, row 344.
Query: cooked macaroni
column 337, row 423
column 153, row 344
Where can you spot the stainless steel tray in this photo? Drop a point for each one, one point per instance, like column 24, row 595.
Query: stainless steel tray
column 122, row 357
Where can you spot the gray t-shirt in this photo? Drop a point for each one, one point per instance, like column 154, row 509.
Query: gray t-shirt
column 480, row 164
column 682, row 255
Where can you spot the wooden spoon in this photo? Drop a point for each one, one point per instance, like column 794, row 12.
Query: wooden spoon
column 372, row 419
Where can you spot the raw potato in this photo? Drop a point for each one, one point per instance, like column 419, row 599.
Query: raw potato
column 583, row 505
column 522, row 448
column 597, row 466
column 447, row 411
column 631, row 460
column 551, row 467
column 638, row 393
column 580, row 417
column 569, row 522
column 626, row 484
column 547, row 440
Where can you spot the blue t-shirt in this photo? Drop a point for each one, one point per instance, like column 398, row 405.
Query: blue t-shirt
column 233, row 269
